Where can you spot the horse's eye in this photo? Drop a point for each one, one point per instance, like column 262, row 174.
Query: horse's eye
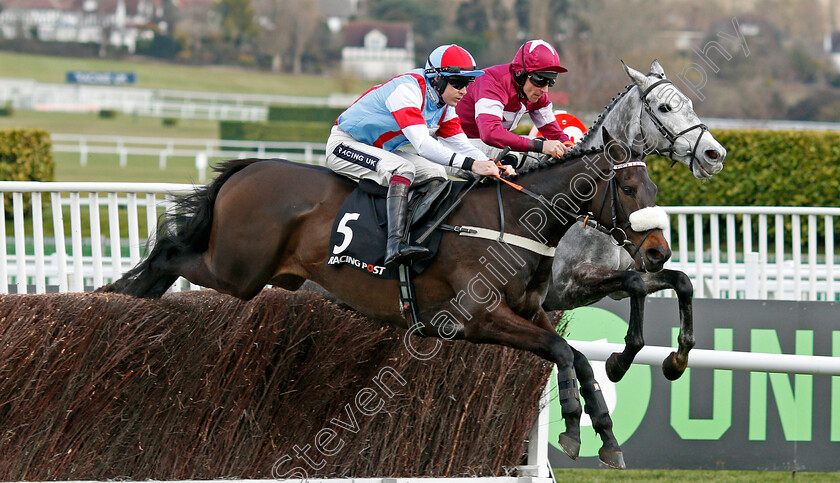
column 664, row 108
column 629, row 191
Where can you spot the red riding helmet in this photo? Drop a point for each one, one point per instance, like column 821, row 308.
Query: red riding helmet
column 449, row 60
column 536, row 56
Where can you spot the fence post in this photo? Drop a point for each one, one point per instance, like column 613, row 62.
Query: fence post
column 83, row 152
column 162, row 160
column 751, row 267
column 538, row 465
column 123, row 154
column 201, row 166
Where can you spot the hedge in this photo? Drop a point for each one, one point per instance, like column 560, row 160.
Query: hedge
column 315, row 132
column 304, row 113
column 26, row 155
column 763, row 168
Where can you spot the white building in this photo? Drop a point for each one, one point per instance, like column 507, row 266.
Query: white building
column 377, row 50
column 120, row 22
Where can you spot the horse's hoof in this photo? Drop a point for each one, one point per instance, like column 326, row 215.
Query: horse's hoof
column 570, row 446
column 671, row 368
column 615, row 369
column 612, row 458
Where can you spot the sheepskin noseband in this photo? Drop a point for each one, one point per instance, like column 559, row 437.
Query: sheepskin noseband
column 649, row 219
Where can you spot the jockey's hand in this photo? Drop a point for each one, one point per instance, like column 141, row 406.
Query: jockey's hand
column 485, row 168
column 507, row 170
column 554, row 148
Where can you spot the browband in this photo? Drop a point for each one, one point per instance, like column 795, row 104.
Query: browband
column 629, row 165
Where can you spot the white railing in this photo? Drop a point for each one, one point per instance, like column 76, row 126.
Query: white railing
column 201, row 149
column 728, row 251
column 74, row 261
column 48, row 249
column 27, row 94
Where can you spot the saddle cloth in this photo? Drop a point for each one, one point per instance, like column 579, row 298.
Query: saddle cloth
column 360, row 228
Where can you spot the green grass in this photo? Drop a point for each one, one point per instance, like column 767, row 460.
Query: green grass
column 122, row 125
column 610, row 476
column 139, row 169
column 161, row 75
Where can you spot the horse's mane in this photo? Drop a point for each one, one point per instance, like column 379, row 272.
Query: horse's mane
column 577, row 152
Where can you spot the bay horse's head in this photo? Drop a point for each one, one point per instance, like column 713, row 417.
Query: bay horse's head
column 671, row 127
column 625, row 201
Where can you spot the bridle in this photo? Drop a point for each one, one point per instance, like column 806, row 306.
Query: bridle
column 612, row 190
column 618, row 234
column 667, row 133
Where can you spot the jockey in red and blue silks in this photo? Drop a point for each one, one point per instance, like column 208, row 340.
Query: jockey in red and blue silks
column 496, row 102
column 416, row 108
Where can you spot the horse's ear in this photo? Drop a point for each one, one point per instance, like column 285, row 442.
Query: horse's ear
column 615, row 151
column 637, row 77
column 639, row 144
column 656, row 69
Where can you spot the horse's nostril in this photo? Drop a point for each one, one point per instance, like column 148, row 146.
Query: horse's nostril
column 712, row 154
column 656, row 255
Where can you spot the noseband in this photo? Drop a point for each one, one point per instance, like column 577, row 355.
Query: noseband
column 670, row 136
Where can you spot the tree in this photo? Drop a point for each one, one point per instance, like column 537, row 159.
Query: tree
column 426, row 20
column 288, row 28
column 238, row 21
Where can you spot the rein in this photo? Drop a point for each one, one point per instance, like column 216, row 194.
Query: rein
column 670, row 136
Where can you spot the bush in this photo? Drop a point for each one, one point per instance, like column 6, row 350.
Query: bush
column 7, row 110
column 170, row 121
column 763, row 168
column 25, row 155
column 107, row 113
column 304, row 113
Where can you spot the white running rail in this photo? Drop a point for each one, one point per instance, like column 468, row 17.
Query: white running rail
column 202, row 150
column 788, row 253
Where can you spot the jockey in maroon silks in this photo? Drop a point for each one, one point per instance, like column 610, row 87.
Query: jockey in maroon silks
column 496, row 101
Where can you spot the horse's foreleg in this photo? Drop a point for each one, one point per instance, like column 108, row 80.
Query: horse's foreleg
column 502, row 326
column 596, row 407
column 619, row 362
column 674, row 365
column 593, row 283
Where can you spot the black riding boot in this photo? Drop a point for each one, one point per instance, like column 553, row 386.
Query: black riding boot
column 398, row 252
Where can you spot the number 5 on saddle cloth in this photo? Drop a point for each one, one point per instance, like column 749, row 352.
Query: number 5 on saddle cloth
column 359, row 231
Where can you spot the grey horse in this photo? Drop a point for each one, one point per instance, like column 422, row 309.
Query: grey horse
column 588, row 266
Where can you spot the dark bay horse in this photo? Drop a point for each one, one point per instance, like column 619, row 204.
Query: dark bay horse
column 269, row 221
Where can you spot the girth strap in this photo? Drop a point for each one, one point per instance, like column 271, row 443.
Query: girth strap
column 408, row 302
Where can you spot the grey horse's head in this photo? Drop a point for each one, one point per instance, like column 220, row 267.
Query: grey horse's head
column 671, row 127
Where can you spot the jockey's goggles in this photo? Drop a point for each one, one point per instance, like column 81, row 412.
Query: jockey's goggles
column 459, row 82
column 543, row 78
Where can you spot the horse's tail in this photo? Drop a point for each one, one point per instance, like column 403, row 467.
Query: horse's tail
column 184, row 231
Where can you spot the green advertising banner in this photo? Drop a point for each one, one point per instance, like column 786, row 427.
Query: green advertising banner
column 716, row 419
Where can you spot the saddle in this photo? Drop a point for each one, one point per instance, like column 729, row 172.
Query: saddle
column 360, row 228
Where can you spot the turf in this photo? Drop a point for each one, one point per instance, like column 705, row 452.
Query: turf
column 161, row 75
column 704, row 476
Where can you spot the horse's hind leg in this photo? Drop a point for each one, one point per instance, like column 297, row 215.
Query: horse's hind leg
column 674, row 365
column 596, row 407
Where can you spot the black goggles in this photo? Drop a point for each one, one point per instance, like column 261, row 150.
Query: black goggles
column 459, row 82
column 540, row 81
